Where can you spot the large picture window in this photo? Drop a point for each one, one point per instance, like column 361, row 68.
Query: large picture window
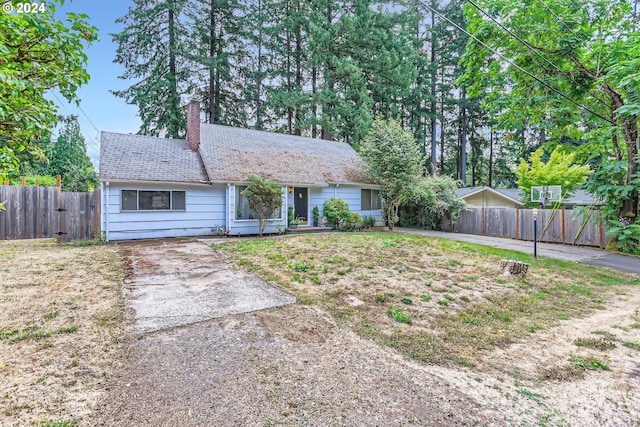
column 242, row 207
column 370, row 200
column 143, row 200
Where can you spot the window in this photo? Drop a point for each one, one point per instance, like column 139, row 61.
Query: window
column 370, row 200
column 242, row 206
column 139, row 200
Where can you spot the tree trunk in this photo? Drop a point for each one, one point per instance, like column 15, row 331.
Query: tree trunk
column 298, row 59
column 211, row 113
column 463, row 142
column 314, row 111
column 433, row 91
column 259, row 74
column 174, row 99
column 491, row 158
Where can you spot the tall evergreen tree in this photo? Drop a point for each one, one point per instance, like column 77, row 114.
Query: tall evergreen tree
column 151, row 49
column 216, row 48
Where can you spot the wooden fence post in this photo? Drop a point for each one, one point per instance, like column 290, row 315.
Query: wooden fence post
column 484, row 229
column 563, row 230
column 6, row 183
column 517, row 223
column 601, row 231
column 24, row 181
column 59, row 182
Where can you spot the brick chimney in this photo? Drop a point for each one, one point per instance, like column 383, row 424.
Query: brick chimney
column 193, row 125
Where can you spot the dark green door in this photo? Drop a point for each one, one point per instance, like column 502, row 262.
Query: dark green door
column 301, row 203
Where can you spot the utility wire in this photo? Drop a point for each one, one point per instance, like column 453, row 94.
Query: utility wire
column 513, row 64
column 91, row 143
column 528, row 46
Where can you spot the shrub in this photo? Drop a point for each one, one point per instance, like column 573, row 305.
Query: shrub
column 428, row 202
column 337, row 212
column 264, row 197
column 354, row 222
column 369, row 221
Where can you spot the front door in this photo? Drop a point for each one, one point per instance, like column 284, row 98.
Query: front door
column 301, row 203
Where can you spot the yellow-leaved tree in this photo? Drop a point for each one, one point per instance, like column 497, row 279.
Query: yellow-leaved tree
column 560, row 169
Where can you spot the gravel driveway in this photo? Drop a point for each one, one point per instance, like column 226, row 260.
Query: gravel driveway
column 279, row 366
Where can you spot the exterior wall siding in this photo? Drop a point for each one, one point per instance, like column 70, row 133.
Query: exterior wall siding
column 204, row 213
column 349, row 193
column 208, row 208
column 489, row 200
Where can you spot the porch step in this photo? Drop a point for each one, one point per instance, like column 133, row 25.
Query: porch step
column 302, row 229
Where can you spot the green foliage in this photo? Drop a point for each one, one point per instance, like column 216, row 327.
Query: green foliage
column 37, row 53
column 560, row 169
column 151, row 48
column 353, row 222
column 30, row 180
column 394, row 161
column 399, row 316
column 290, row 218
column 628, row 236
column 337, row 212
column 264, row 198
column 429, row 201
column 316, row 214
column 369, row 221
column 66, row 156
column 586, row 88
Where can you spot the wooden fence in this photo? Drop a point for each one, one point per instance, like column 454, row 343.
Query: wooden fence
column 564, row 226
column 42, row 212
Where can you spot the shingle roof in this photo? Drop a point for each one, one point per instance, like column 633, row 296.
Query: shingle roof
column 580, row 198
column 233, row 154
column 146, row 158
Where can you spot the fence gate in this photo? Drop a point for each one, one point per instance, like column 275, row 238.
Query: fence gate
column 45, row 212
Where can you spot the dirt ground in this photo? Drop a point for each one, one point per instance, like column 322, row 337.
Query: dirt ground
column 295, row 366
column 65, row 355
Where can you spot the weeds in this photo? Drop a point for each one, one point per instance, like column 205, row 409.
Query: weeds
column 399, row 316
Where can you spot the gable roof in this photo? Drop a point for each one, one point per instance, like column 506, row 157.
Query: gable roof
column 229, row 154
column 233, row 154
column 129, row 157
column 580, row 198
column 465, row 192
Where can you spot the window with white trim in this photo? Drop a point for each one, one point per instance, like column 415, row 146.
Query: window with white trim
column 370, row 200
column 153, row 200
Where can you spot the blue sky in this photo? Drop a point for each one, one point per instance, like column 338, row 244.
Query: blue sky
column 103, row 109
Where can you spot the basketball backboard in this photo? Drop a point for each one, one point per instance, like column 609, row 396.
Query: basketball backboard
column 546, row 193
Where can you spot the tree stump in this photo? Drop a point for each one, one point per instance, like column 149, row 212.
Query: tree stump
column 513, row 268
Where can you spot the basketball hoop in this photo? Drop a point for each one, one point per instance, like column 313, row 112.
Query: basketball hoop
column 546, row 194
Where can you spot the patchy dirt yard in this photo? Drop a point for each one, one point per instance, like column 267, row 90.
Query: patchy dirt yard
column 559, row 347
column 61, row 319
column 387, row 330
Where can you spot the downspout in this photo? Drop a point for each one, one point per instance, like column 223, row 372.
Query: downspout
column 105, row 192
column 228, row 204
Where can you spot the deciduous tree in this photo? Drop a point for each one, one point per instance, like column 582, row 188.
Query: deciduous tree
column 38, row 53
column 393, row 159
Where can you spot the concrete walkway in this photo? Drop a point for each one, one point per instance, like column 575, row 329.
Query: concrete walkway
column 580, row 254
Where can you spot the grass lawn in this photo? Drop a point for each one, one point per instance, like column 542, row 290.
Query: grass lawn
column 434, row 300
column 61, row 315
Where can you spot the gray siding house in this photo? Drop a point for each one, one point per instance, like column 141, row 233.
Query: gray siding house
column 159, row 187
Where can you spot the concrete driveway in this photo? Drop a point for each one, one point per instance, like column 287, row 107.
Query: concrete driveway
column 173, row 283
column 581, row 254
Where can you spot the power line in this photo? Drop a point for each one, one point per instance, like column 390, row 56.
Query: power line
column 528, row 46
column 514, row 64
column 91, row 143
